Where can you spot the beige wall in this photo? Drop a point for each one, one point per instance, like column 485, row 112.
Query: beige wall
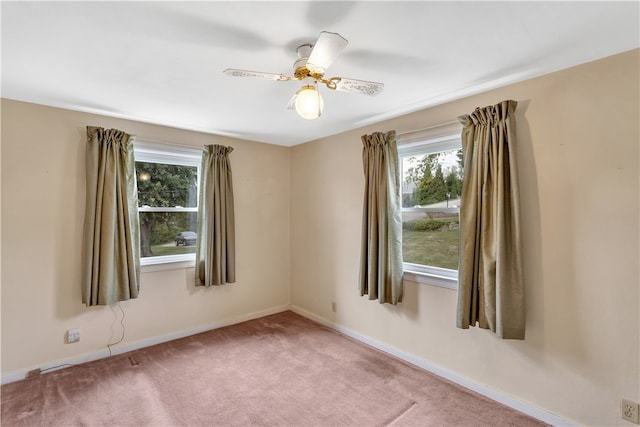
column 42, row 216
column 578, row 159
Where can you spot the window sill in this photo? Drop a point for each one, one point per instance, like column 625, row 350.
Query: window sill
column 148, row 265
column 431, row 279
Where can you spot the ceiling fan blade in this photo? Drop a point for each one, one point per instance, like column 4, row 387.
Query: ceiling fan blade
column 255, row 74
column 325, row 51
column 359, row 86
column 292, row 102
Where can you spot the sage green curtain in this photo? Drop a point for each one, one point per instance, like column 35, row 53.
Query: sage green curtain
column 111, row 252
column 490, row 277
column 216, row 244
column 381, row 252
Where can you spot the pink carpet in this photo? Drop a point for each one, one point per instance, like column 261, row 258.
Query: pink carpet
column 280, row 370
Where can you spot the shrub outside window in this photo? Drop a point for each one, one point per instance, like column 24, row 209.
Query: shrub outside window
column 167, row 179
column 431, row 168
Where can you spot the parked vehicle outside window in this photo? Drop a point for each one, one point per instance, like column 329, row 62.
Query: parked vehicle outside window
column 186, row 238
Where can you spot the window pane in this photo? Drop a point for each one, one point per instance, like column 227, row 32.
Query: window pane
column 167, row 233
column 431, row 238
column 165, row 185
column 433, row 180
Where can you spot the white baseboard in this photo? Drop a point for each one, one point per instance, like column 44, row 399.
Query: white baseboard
column 492, row 394
column 119, row 349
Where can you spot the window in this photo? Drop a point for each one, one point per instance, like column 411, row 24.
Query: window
column 431, row 167
column 167, row 179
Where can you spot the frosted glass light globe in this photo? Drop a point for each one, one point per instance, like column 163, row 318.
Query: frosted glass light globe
column 309, row 103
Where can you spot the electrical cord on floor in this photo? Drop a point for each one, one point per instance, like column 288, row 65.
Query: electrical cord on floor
column 36, row 372
column 123, row 330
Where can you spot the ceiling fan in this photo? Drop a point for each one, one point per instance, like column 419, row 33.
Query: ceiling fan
column 310, row 68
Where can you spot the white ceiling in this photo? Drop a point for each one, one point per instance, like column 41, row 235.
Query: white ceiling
column 162, row 62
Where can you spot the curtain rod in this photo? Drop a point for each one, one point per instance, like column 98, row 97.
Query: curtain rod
column 429, row 127
column 169, row 144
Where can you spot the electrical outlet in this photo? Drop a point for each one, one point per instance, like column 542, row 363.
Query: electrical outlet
column 73, row 335
column 629, row 411
column 334, row 307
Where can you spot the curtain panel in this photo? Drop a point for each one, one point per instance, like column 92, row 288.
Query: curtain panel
column 381, row 247
column 110, row 259
column 215, row 247
column 490, row 277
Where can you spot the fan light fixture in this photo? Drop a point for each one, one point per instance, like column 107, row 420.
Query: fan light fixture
column 310, row 67
column 309, row 103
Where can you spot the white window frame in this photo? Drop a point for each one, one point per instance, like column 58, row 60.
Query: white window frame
column 427, row 141
column 161, row 152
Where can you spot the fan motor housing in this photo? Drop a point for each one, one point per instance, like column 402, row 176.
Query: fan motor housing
column 300, row 66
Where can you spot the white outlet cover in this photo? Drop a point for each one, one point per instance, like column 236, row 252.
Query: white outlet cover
column 630, row 411
column 73, row 335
